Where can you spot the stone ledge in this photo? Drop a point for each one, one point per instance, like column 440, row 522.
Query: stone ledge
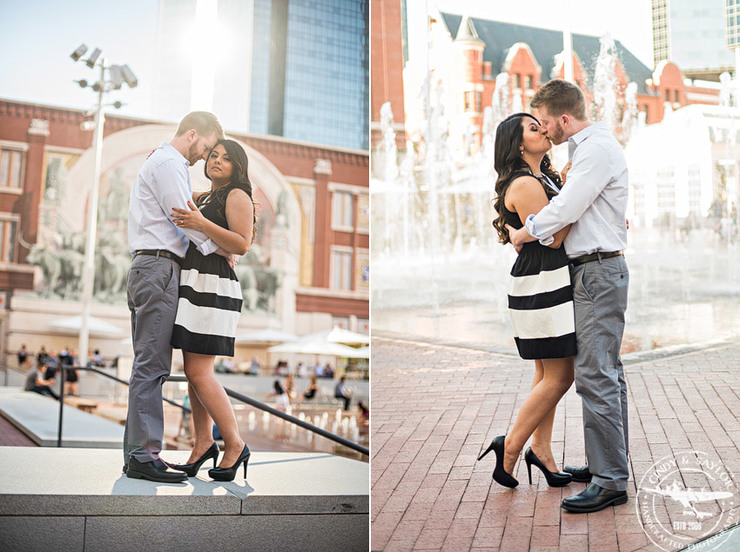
column 38, row 417
column 347, row 533
column 78, row 500
column 89, row 482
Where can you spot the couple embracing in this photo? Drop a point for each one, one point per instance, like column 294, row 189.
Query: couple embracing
column 569, row 291
column 183, row 293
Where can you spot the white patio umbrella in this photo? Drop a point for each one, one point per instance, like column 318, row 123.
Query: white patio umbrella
column 266, row 335
column 362, row 352
column 95, row 326
column 314, row 347
column 339, row 335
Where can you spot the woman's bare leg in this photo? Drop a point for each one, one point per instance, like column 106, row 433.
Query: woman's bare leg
column 557, row 377
column 542, row 435
column 211, row 394
column 202, row 425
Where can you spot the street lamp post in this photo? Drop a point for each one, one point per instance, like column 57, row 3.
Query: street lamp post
column 116, row 76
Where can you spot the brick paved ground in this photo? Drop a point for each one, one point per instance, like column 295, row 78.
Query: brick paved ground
column 11, row 436
column 434, row 408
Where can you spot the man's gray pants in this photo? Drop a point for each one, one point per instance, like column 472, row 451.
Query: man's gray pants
column 600, row 298
column 152, row 289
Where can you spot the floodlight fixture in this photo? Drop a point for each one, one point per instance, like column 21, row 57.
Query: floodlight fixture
column 116, row 76
column 129, row 77
column 92, row 60
column 79, row 52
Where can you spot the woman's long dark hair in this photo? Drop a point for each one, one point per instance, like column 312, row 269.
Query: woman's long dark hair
column 239, row 179
column 508, row 161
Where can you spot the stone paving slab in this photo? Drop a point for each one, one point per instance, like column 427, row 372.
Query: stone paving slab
column 38, row 417
column 47, row 481
column 435, row 408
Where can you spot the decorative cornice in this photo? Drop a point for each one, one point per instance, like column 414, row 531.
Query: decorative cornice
column 39, row 127
column 322, row 166
column 266, row 144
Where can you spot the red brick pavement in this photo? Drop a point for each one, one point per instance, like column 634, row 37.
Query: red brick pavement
column 434, row 408
column 11, row 436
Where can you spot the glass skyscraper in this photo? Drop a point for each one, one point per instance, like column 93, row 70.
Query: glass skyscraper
column 690, row 34
column 310, row 71
column 293, row 68
column 732, row 22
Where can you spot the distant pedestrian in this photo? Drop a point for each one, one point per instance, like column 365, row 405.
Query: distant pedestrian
column 41, row 356
column 22, row 357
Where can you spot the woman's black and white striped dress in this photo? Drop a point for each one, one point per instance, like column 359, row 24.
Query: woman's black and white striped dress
column 210, row 300
column 541, row 298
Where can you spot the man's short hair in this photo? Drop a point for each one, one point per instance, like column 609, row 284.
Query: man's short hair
column 560, row 96
column 203, row 122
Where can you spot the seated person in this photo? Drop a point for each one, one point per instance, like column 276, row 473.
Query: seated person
column 310, row 391
column 364, row 411
column 341, row 392
column 97, row 359
column 41, row 382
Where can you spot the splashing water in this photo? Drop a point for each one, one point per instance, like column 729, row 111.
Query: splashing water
column 605, row 83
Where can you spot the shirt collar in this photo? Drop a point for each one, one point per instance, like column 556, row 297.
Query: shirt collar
column 172, row 151
column 580, row 136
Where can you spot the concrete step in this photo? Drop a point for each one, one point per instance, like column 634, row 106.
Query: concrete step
column 38, row 417
column 78, row 500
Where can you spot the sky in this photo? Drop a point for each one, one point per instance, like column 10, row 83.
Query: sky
column 41, row 34
column 37, row 37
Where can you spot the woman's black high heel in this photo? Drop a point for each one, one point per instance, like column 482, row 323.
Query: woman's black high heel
column 499, row 475
column 192, row 469
column 228, row 474
column 554, row 479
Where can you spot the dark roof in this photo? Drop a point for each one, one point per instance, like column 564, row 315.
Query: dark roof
column 467, row 31
column 545, row 44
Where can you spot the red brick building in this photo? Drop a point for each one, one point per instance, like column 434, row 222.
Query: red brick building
column 312, row 205
column 386, row 69
column 482, row 49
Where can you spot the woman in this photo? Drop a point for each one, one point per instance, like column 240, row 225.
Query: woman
column 310, row 391
column 209, row 305
column 541, row 299
column 282, row 400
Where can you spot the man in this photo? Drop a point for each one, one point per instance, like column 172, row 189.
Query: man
column 594, row 201
column 41, row 381
column 152, row 286
column 342, row 393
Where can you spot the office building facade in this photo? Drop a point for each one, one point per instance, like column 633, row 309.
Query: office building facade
column 292, row 68
column 690, row 34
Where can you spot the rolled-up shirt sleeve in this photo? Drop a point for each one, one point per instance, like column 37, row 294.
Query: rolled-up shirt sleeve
column 173, row 189
column 588, row 176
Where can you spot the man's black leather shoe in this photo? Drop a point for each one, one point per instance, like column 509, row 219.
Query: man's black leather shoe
column 154, row 471
column 594, row 498
column 579, row 475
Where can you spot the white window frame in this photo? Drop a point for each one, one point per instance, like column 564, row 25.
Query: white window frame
column 338, row 211
column 335, row 249
column 11, row 218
